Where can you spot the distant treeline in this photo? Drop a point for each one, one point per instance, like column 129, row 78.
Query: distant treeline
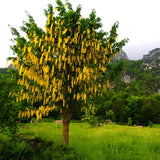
column 137, row 100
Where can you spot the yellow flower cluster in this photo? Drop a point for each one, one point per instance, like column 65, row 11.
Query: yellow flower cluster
column 42, row 111
column 59, row 61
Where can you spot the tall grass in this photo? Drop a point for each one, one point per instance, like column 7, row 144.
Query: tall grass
column 110, row 142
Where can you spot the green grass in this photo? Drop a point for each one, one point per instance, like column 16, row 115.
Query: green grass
column 110, row 142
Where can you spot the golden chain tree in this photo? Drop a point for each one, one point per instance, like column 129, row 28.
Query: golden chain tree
column 64, row 63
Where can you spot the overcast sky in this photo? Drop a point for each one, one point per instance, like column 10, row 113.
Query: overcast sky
column 139, row 20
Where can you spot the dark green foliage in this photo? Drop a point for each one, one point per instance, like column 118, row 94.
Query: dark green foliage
column 141, row 109
column 110, row 115
column 150, row 109
column 150, row 123
column 8, row 107
column 14, row 150
column 136, row 99
column 143, row 80
column 35, row 149
column 55, row 114
column 103, row 104
column 77, row 113
column 129, row 122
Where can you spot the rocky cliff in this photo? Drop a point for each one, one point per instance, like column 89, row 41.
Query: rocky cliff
column 152, row 56
column 122, row 56
column 152, row 60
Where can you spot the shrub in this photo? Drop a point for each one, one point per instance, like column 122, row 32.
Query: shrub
column 15, row 150
column 110, row 115
column 35, row 149
column 150, row 123
column 9, row 107
column 129, row 122
column 90, row 117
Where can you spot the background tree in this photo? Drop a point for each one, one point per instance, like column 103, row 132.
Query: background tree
column 63, row 64
column 9, row 108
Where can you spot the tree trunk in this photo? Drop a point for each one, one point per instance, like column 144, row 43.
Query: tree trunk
column 66, row 120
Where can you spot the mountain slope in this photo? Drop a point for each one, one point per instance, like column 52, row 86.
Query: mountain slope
column 152, row 56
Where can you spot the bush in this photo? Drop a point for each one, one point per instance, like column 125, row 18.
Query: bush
column 119, row 106
column 110, row 115
column 129, row 122
column 35, row 149
column 150, row 123
column 15, row 150
column 8, row 107
column 90, row 117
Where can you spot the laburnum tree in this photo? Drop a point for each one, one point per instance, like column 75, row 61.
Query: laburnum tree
column 63, row 64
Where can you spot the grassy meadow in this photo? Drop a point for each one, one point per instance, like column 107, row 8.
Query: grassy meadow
column 109, row 142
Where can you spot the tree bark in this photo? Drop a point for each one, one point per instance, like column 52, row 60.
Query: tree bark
column 66, row 120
